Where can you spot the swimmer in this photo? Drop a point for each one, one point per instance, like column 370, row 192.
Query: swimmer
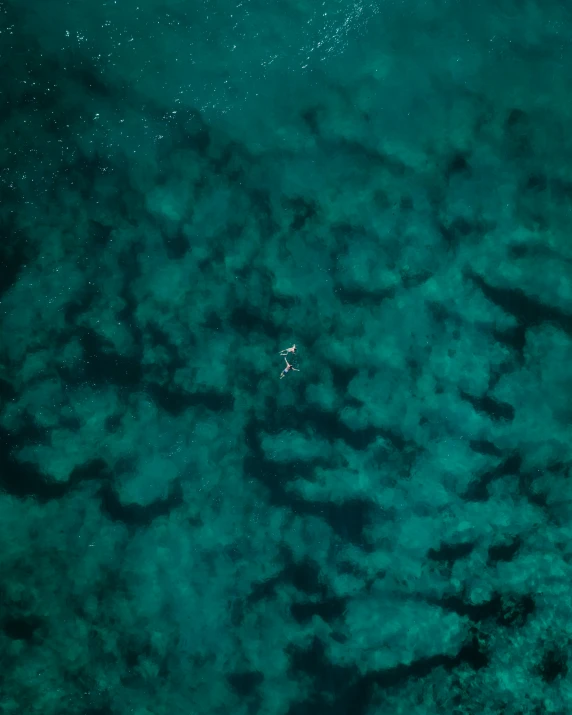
column 287, row 369
column 288, row 350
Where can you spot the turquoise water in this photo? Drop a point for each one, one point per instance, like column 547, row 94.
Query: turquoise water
column 186, row 189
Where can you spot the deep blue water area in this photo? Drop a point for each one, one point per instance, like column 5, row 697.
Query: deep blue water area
column 188, row 188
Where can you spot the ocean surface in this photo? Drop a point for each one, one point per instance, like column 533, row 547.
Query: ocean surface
column 189, row 187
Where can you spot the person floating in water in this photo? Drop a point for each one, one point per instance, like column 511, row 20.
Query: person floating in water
column 288, row 350
column 287, row 369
